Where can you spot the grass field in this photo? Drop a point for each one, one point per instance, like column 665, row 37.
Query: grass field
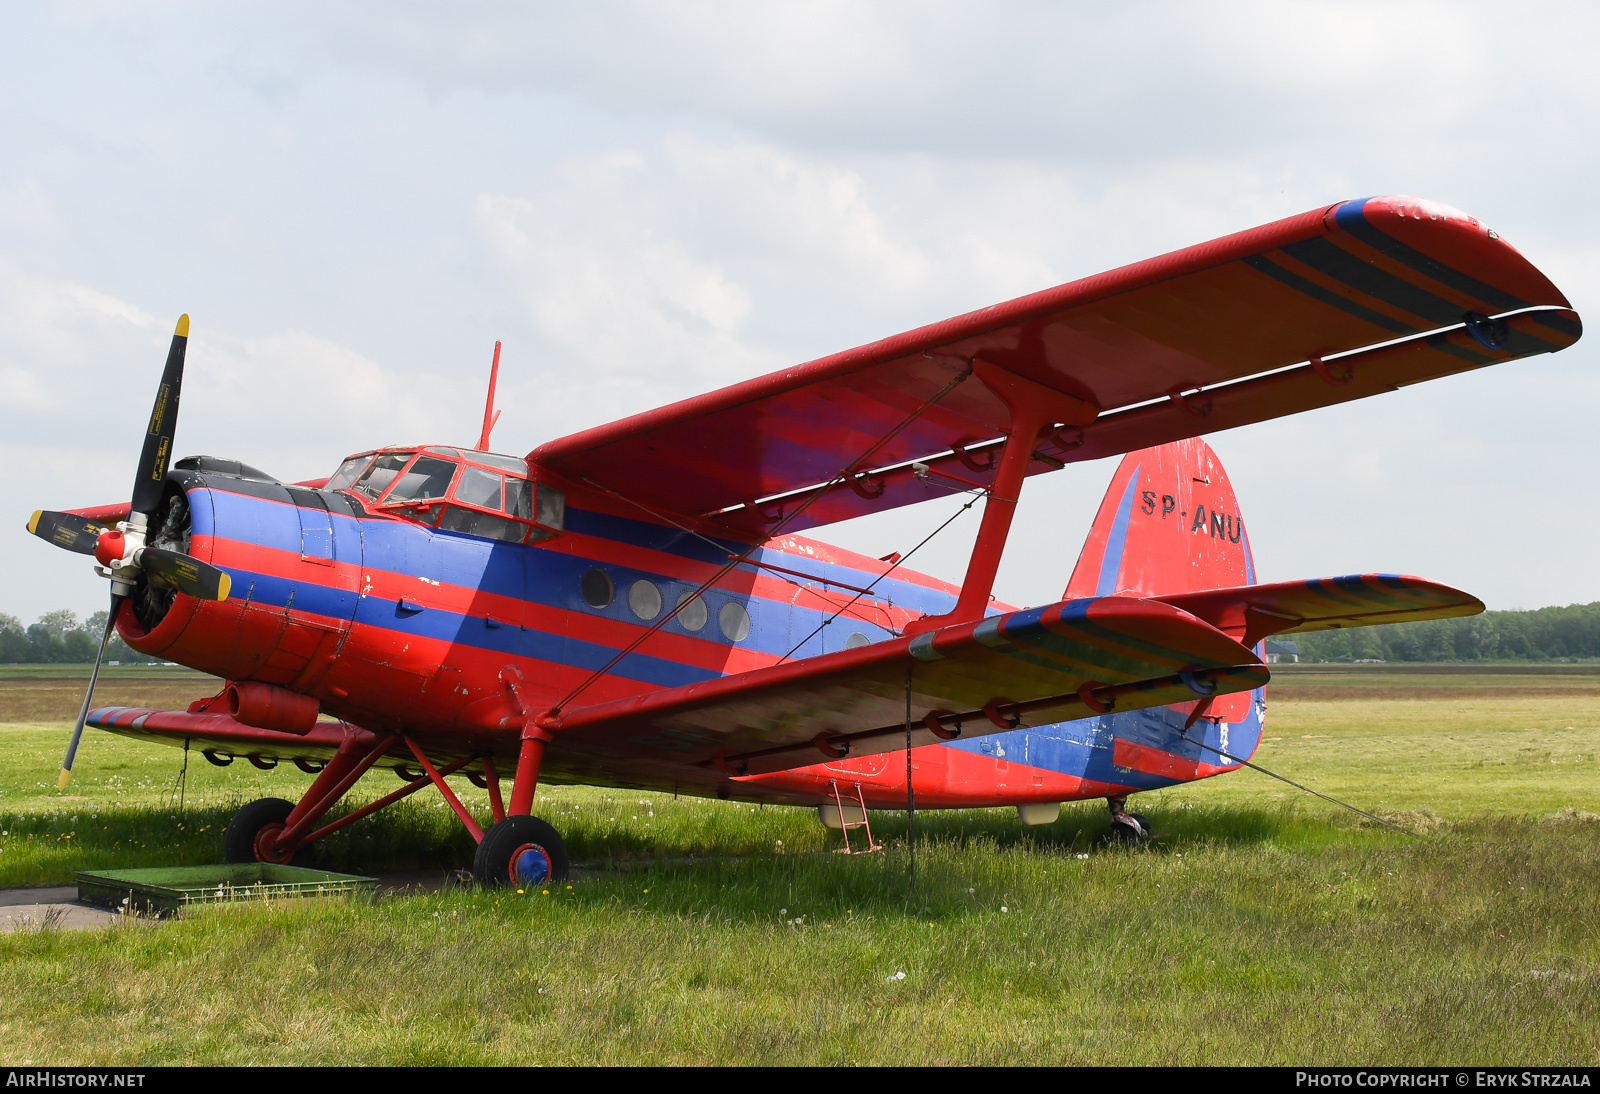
column 1263, row 926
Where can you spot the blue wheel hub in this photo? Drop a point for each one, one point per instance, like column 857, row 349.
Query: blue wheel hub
column 530, row 865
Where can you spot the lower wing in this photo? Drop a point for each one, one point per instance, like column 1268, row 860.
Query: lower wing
column 222, row 739
column 1034, row 667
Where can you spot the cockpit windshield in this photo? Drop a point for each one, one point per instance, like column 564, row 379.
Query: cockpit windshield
column 456, row 490
column 426, row 479
column 381, row 473
column 348, row 472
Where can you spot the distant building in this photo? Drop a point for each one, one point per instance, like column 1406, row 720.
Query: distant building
column 1282, row 651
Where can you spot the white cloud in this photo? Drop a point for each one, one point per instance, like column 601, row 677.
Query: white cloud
column 647, row 201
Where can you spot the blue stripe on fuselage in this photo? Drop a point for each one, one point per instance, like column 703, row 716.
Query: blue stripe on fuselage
column 534, row 575
column 1085, row 747
column 388, row 543
column 465, row 630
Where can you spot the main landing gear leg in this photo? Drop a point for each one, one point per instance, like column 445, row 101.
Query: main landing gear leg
column 522, row 851
column 1127, row 827
column 273, row 830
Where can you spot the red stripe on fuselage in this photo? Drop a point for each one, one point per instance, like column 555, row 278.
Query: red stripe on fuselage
column 747, row 580
column 1152, row 761
column 942, row 778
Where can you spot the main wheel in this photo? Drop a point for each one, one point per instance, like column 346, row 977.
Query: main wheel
column 252, row 830
column 520, row 852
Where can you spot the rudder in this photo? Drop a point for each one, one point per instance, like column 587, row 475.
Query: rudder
column 1169, row 523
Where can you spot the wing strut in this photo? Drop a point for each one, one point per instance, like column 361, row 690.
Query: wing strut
column 1035, row 411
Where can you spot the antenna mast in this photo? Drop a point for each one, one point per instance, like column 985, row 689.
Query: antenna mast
column 490, row 414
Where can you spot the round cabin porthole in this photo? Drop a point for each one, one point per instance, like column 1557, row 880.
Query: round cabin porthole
column 693, row 615
column 645, row 600
column 856, row 641
column 734, row 621
column 597, row 588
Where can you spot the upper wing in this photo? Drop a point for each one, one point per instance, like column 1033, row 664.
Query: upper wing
column 1037, row 665
column 1125, row 346
column 1252, row 612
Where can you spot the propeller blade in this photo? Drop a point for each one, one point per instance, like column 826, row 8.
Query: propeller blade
column 157, row 453
column 199, row 579
column 88, row 696
column 66, row 530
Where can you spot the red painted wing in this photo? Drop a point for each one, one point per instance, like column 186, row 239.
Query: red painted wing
column 220, row 733
column 1329, row 281
column 1252, row 612
column 1035, row 662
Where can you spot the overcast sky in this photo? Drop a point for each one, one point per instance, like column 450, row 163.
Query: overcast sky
column 647, row 201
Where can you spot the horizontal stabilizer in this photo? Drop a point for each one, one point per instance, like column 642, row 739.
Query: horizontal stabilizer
column 1253, row 612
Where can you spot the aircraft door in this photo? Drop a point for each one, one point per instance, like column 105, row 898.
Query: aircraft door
column 322, row 600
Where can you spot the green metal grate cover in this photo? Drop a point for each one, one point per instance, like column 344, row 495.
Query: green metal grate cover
column 169, row 888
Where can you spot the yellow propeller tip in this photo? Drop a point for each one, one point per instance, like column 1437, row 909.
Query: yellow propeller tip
column 183, row 326
column 61, row 784
column 33, row 522
column 224, row 586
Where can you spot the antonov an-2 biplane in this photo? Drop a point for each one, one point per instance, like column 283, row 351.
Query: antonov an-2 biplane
column 634, row 605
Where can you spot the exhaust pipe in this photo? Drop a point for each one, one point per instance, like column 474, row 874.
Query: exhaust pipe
column 266, row 706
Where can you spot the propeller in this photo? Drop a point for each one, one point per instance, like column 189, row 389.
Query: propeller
column 121, row 550
column 67, row 530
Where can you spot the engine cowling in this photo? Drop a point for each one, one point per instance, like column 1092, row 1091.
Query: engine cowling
column 295, row 573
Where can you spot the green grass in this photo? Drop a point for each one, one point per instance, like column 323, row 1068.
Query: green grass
column 1262, row 927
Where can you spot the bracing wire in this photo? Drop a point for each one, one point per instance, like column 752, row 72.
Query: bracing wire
column 873, row 584
column 744, row 556
column 721, row 548
column 1297, row 786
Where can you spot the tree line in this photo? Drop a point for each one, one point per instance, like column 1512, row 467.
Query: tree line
column 58, row 637
column 1547, row 634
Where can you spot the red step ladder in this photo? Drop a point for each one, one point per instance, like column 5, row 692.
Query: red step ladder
column 846, row 825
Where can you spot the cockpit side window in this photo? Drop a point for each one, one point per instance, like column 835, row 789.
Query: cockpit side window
column 381, row 473
column 519, row 498
column 424, row 480
column 479, row 487
column 348, row 471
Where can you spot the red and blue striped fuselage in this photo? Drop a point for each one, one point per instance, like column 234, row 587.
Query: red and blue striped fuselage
column 396, row 625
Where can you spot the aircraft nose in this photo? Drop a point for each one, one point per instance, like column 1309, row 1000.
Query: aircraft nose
column 109, row 547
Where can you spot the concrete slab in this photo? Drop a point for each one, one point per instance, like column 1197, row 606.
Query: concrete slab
column 54, row 916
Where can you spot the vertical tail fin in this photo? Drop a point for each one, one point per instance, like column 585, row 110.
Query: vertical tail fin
column 1169, row 523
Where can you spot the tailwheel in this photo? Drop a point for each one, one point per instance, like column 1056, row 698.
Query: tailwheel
column 1130, row 828
column 1127, row 827
column 520, row 852
column 252, row 831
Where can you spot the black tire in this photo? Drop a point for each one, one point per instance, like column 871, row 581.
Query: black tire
column 243, row 839
column 525, row 842
column 1123, row 832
